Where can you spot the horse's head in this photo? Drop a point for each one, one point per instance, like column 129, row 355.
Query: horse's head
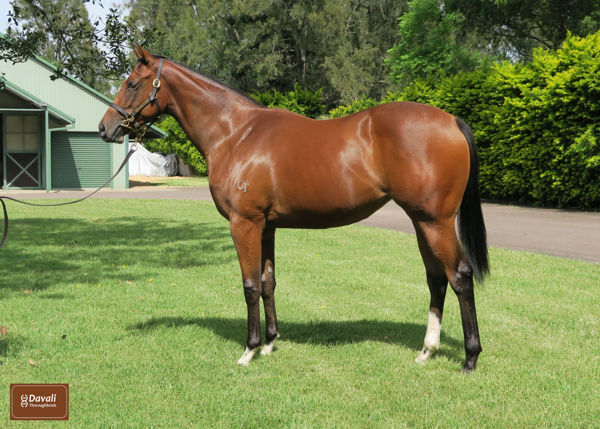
column 138, row 102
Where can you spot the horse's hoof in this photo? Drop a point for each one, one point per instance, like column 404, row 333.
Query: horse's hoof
column 467, row 369
column 247, row 356
column 268, row 348
column 424, row 355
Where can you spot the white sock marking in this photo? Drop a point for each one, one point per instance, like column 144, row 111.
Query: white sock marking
column 432, row 338
column 247, row 356
column 268, row 348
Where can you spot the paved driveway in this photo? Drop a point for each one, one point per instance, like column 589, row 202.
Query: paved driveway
column 554, row 232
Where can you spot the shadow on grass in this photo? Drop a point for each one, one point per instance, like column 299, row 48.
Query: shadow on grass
column 45, row 251
column 10, row 345
column 326, row 333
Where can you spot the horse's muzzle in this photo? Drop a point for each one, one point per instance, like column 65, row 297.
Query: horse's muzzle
column 116, row 136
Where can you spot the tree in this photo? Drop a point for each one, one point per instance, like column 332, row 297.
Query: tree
column 442, row 37
column 62, row 30
column 354, row 63
column 73, row 45
column 514, row 28
column 336, row 45
column 432, row 44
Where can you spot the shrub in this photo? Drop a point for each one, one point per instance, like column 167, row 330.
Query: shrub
column 303, row 101
column 542, row 146
column 356, row 106
column 177, row 142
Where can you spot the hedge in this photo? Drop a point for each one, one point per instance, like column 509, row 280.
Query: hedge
column 300, row 100
column 537, row 125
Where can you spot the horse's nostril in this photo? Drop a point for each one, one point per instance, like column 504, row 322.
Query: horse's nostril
column 101, row 128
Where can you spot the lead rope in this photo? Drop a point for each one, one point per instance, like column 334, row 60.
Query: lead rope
column 4, row 197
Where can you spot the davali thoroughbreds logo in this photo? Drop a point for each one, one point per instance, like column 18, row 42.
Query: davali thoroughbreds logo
column 39, row 401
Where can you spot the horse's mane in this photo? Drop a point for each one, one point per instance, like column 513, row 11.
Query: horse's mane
column 212, row 80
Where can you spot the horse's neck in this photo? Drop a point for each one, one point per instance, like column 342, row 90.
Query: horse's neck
column 208, row 112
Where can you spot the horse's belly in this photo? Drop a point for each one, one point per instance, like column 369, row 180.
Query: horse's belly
column 326, row 215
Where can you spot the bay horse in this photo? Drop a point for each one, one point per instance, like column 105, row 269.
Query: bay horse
column 270, row 168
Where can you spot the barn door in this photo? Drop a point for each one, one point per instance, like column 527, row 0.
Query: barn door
column 21, row 151
column 79, row 160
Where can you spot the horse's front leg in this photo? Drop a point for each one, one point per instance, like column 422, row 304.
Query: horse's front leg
column 247, row 236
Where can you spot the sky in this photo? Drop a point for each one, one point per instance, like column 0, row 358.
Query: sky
column 94, row 10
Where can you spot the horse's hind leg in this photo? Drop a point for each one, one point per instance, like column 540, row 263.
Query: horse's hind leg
column 440, row 237
column 437, row 282
column 268, row 289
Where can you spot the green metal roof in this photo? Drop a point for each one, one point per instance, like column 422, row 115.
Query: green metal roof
column 36, row 101
column 73, row 79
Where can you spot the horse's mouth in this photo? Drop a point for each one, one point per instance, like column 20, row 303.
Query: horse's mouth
column 118, row 136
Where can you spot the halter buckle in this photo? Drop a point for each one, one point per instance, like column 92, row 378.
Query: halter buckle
column 156, row 83
column 129, row 118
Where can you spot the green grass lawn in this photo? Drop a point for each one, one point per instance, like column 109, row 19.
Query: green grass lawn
column 138, row 305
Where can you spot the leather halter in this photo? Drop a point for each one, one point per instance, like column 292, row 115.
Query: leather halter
column 129, row 122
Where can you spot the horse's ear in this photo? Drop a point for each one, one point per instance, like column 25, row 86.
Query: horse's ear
column 142, row 54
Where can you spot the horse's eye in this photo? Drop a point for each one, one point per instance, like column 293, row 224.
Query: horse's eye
column 132, row 84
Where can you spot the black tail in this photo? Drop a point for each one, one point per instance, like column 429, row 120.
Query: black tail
column 470, row 218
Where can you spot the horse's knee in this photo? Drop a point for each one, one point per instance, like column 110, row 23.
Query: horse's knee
column 252, row 290
column 268, row 278
column 267, row 281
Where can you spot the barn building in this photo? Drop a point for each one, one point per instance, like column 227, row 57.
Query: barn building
column 49, row 131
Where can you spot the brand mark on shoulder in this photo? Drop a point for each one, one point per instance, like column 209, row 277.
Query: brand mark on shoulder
column 242, row 186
